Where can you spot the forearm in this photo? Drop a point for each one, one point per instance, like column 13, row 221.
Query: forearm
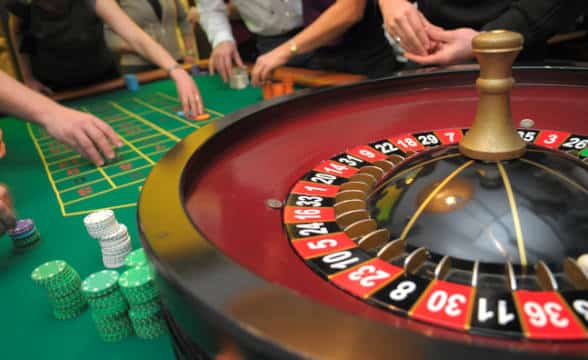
column 333, row 23
column 22, row 102
column 124, row 48
column 132, row 34
column 151, row 50
column 189, row 44
column 115, row 43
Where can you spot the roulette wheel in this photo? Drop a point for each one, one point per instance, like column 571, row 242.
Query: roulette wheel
column 374, row 220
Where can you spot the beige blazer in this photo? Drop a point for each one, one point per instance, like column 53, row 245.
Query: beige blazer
column 164, row 32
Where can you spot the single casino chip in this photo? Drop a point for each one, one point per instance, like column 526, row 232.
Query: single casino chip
column 100, row 283
column 132, row 82
column 138, row 286
column 136, row 258
column 203, row 116
column 48, row 271
column 136, row 278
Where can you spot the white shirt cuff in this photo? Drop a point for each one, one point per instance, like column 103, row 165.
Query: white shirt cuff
column 222, row 36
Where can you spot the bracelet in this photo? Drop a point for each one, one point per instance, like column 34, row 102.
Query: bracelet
column 190, row 52
column 173, row 67
column 293, row 48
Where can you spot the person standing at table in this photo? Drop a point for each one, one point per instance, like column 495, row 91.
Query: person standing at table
column 63, row 46
column 339, row 35
column 441, row 31
column 272, row 21
column 160, row 19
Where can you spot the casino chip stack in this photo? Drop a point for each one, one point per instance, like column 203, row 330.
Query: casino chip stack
column 139, row 289
column 62, row 283
column 108, row 305
column 114, row 238
column 25, row 235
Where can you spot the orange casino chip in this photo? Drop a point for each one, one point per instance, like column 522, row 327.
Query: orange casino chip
column 288, row 86
column 203, row 116
column 2, row 146
column 267, row 90
column 278, row 89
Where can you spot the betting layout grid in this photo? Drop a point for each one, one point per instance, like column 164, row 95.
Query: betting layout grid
column 310, row 219
column 148, row 125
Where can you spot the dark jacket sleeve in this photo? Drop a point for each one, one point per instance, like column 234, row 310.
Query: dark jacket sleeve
column 22, row 11
column 537, row 20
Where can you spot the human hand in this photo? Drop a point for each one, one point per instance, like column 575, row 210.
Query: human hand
column 193, row 15
column 187, row 92
column 38, row 86
column 88, row 135
column 454, row 46
column 222, row 58
column 266, row 63
column 407, row 25
column 7, row 218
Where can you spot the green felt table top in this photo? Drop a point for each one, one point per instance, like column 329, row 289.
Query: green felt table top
column 56, row 188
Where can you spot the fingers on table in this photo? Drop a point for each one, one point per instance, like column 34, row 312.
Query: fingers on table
column 110, row 133
column 86, row 147
column 226, row 68
column 100, row 140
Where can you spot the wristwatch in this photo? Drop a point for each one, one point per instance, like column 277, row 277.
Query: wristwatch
column 173, row 67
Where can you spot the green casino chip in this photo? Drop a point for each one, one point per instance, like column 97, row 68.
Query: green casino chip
column 141, row 297
column 51, row 272
column 100, row 283
column 67, row 314
column 110, row 312
column 145, row 311
column 136, row 258
column 136, row 278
